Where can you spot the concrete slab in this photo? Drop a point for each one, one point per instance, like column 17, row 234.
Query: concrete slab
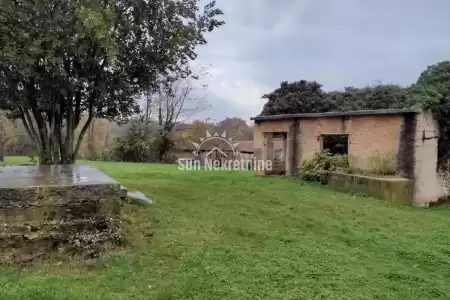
column 73, row 209
column 59, row 175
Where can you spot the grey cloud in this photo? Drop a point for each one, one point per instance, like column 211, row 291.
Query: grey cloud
column 219, row 110
column 336, row 42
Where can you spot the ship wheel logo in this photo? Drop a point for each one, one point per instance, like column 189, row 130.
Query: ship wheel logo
column 211, row 137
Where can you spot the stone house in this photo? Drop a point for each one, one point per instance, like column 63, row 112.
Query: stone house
column 405, row 137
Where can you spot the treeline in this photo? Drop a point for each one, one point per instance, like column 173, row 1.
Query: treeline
column 148, row 142
column 138, row 140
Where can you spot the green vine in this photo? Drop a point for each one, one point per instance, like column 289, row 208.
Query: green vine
column 432, row 92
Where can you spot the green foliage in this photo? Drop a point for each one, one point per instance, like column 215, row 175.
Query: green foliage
column 295, row 97
column 317, row 169
column 382, row 165
column 433, row 92
column 32, row 159
column 139, row 143
column 62, row 59
column 370, row 97
column 308, row 97
column 143, row 142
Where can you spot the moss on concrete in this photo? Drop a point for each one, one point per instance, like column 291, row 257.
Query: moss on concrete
column 398, row 190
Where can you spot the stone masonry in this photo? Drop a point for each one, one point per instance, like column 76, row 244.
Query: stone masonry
column 71, row 209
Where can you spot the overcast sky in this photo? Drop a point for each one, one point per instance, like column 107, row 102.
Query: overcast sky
column 335, row 42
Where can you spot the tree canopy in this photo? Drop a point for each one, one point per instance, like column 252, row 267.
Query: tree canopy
column 62, row 59
column 308, row 97
column 432, row 91
column 296, row 97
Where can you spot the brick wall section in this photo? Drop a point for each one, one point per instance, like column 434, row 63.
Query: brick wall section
column 373, row 136
column 369, row 136
column 310, row 131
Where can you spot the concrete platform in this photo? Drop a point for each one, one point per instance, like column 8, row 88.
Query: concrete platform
column 398, row 190
column 67, row 208
column 32, row 176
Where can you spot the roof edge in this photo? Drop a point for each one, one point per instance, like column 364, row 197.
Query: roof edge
column 339, row 114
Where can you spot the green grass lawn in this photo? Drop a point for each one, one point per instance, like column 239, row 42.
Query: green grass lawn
column 15, row 160
column 229, row 235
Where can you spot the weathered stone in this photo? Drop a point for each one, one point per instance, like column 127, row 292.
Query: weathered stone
column 74, row 209
column 123, row 192
column 398, row 190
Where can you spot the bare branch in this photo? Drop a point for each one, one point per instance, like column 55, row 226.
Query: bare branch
column 29, row 127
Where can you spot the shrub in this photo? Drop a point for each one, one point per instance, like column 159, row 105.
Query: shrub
column 139, row 144
column 318, row 168
column 382, row 165
column 32, row 159
column 340, row 161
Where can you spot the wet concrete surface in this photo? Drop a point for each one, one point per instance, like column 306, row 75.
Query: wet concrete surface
column 67, row 175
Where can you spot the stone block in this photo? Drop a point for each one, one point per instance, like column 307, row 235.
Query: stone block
column 73, row 209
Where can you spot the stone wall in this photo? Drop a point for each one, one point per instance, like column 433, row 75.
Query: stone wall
column 75, row 219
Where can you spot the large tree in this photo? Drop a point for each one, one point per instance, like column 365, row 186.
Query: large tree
column 62, row 59
column 295, row 97
column 236, row 128
column 177, row 100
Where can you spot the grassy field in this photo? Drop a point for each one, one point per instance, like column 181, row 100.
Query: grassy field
column 15, row 160
column 229, row 235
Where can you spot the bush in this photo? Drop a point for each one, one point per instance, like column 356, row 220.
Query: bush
column 382, row 165
column 318, row 168
column 139, row 144
column 33, row 159
column 143, row 142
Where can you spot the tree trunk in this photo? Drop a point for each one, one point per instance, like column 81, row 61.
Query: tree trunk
column 2, row 158
column 53, row 149
column 91, row 151
column 45, row 124
column 45, row 158
column 147, row 108
column 165, row 146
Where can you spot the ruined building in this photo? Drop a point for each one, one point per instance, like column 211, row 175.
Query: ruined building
column 408, row 138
